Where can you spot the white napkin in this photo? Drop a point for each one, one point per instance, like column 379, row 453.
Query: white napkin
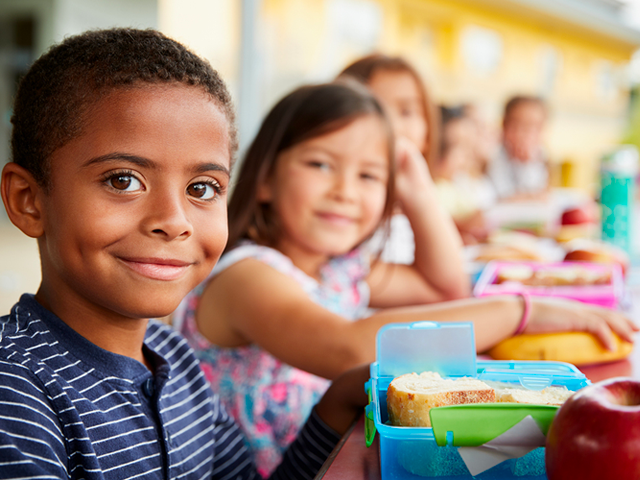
column 516, row 442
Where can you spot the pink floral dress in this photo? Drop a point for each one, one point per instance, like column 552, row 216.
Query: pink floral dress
column 269, row 399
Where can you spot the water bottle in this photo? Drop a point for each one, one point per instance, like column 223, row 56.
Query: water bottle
column 618, row 172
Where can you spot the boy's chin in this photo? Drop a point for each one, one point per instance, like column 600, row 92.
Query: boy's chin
column 150, row 309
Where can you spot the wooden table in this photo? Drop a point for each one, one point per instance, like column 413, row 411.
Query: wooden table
column 352, row 460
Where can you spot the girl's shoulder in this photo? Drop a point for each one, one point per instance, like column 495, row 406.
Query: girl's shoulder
column 248, row 249
column 267, row 255
column 345, row 269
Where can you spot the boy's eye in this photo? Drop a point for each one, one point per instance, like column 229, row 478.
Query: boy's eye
column 125, row 183
column 202, row 190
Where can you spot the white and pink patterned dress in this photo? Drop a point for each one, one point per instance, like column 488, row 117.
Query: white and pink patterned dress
column 268, row 398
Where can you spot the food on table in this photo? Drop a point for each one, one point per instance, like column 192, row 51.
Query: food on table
column 510, row 245
column 488, row 252
column 555, row 395
column 577, row 348
column 410, row 397
column 579, row 215
column 597, row 251
column 552, row 276
column 596, row 433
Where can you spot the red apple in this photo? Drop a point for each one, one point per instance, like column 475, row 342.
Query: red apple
column 578, row 215
column 596, row 433
column 598, row 256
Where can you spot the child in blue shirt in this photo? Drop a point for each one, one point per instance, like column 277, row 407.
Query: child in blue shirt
column 122, row 146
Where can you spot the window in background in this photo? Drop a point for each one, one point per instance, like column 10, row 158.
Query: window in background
column 482, row 50
column 549, row 65
column 606, row 81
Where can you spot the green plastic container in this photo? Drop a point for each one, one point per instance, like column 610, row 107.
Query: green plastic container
column 618, row 172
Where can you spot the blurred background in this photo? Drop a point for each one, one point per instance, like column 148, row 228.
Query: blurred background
column 579, row 55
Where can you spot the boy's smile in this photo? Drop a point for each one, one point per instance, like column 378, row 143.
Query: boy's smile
column 136, row 214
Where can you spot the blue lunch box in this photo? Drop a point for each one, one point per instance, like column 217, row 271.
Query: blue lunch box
column 423, row 453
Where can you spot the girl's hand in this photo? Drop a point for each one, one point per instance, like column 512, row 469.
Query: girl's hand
column 556, row 315
column 412, row 171
column 345, row 399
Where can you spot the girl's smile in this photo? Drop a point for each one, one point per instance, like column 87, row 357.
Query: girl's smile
column 336, row 219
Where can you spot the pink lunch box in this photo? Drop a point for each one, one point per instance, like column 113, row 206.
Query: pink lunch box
column 606, row 295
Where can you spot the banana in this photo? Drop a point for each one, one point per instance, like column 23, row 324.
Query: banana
column 578, row 348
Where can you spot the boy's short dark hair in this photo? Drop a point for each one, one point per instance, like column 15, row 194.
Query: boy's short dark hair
column 65, row 82
column 517, row 100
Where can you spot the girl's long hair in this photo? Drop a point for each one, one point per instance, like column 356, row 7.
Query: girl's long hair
column 305, row 113
column 364, row 69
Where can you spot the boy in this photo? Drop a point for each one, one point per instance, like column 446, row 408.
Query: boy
column 122, row 147
column 519, row 171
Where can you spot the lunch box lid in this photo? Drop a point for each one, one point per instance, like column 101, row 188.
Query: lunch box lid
column 446, row 348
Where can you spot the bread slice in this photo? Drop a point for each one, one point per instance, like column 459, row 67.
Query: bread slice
column 515, row 273
column 411, row 396
column 548, row 396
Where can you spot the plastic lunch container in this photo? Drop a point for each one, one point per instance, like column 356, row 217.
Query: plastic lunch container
column 607, row 295
column 432, row 453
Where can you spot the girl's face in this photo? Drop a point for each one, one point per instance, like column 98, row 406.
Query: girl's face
column 400, row 96
column 328, row 193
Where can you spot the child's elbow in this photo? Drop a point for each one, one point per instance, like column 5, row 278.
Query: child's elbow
column 461, row 291
column 455, row 291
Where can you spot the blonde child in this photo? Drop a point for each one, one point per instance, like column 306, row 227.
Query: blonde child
column 283, row 310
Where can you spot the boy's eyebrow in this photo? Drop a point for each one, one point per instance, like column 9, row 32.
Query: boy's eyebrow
column 146, row 163
column 209, row 166
column 139, row 161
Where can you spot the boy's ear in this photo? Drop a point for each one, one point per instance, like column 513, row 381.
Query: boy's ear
column 21, row 195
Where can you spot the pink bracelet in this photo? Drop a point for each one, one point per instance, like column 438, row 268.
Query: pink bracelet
column 526, row 313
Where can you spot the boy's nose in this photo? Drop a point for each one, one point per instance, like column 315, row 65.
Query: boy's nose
column 167, row 218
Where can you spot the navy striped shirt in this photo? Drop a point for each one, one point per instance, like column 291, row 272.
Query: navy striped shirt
column 69, row 409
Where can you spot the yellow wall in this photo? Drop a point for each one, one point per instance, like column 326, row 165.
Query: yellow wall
column 209, row 28
column 586, row 119
column 307, row 41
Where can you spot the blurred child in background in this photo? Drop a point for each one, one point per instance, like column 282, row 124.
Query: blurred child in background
column 486, row 143
column 415, row 120
column 519, row 170
column 457, row 188
column 287, row 305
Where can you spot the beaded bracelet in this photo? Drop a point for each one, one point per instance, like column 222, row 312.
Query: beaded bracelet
column 526, row 312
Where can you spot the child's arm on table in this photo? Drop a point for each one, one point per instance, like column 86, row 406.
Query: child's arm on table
column 345, row 399
column 438, row 272
column 281, row 318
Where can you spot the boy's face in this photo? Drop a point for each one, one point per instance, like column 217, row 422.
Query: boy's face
column 522, row 130
column 136, row 216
